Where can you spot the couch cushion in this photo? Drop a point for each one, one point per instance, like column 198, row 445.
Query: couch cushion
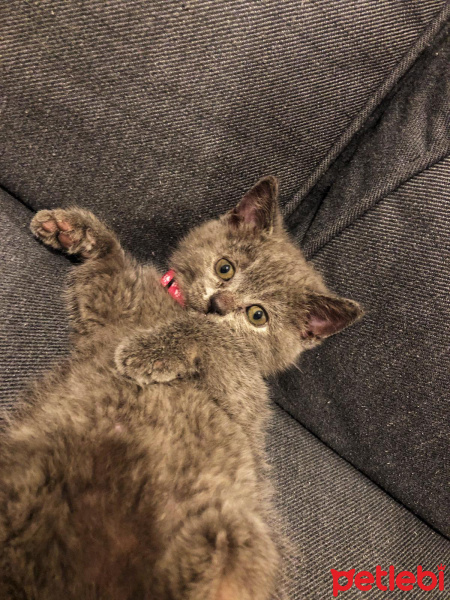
column 338, row 519
column 378, row 393
column 33, row 323
column 159, row 114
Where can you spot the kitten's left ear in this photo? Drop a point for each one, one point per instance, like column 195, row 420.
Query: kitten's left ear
column 327, row 315
column 258, row 209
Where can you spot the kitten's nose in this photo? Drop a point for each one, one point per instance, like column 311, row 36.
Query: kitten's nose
column 221, row 303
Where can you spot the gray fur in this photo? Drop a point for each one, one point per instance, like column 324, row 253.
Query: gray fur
column 136, row 469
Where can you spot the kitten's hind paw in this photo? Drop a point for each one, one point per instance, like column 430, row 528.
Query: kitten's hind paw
column 74, row 230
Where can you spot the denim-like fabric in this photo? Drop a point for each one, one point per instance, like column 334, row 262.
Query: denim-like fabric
column 380, row 232
column 33, row 322
column 337, row 519
column 160, row 114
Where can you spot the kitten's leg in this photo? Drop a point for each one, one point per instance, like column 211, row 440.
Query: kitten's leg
column 76, row 231
column 107, row 288
column 160, row 355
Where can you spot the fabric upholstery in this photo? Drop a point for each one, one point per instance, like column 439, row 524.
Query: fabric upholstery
column 338, row 519
column 33, row 323
column 378, row 393
column 159, row 114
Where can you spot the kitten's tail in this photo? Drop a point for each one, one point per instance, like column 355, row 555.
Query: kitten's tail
column 225, row 553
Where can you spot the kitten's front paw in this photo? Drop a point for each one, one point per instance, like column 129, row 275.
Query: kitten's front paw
column 138, row 359
column 76, row 231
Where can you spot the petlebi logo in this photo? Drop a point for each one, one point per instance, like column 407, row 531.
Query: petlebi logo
column 389, row 580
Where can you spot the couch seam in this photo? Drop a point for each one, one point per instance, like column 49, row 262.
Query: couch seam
column 15, row 197
column 396, row 500
column 328, row 236
column 429, row 33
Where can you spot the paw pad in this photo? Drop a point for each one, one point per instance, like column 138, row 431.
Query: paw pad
column 50, row 226
column 69, row 230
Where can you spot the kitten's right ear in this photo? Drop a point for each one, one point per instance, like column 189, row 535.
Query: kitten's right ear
column 258, row 209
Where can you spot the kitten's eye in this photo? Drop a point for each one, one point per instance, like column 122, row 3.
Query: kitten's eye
column 257, row 315
column 224, row 269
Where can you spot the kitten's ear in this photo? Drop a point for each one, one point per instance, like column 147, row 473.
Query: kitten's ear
column 328, row 315
column 259, row 207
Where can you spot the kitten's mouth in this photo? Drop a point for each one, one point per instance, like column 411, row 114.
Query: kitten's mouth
column 168, row 281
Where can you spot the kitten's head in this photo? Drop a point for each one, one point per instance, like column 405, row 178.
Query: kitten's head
column 244, row 269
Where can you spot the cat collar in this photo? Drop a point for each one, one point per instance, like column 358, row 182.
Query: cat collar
column 168, row 281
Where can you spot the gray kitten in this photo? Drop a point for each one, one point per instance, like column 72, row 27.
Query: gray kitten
column 136, row 469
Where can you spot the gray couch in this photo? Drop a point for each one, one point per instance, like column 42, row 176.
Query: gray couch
column 159, row 114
